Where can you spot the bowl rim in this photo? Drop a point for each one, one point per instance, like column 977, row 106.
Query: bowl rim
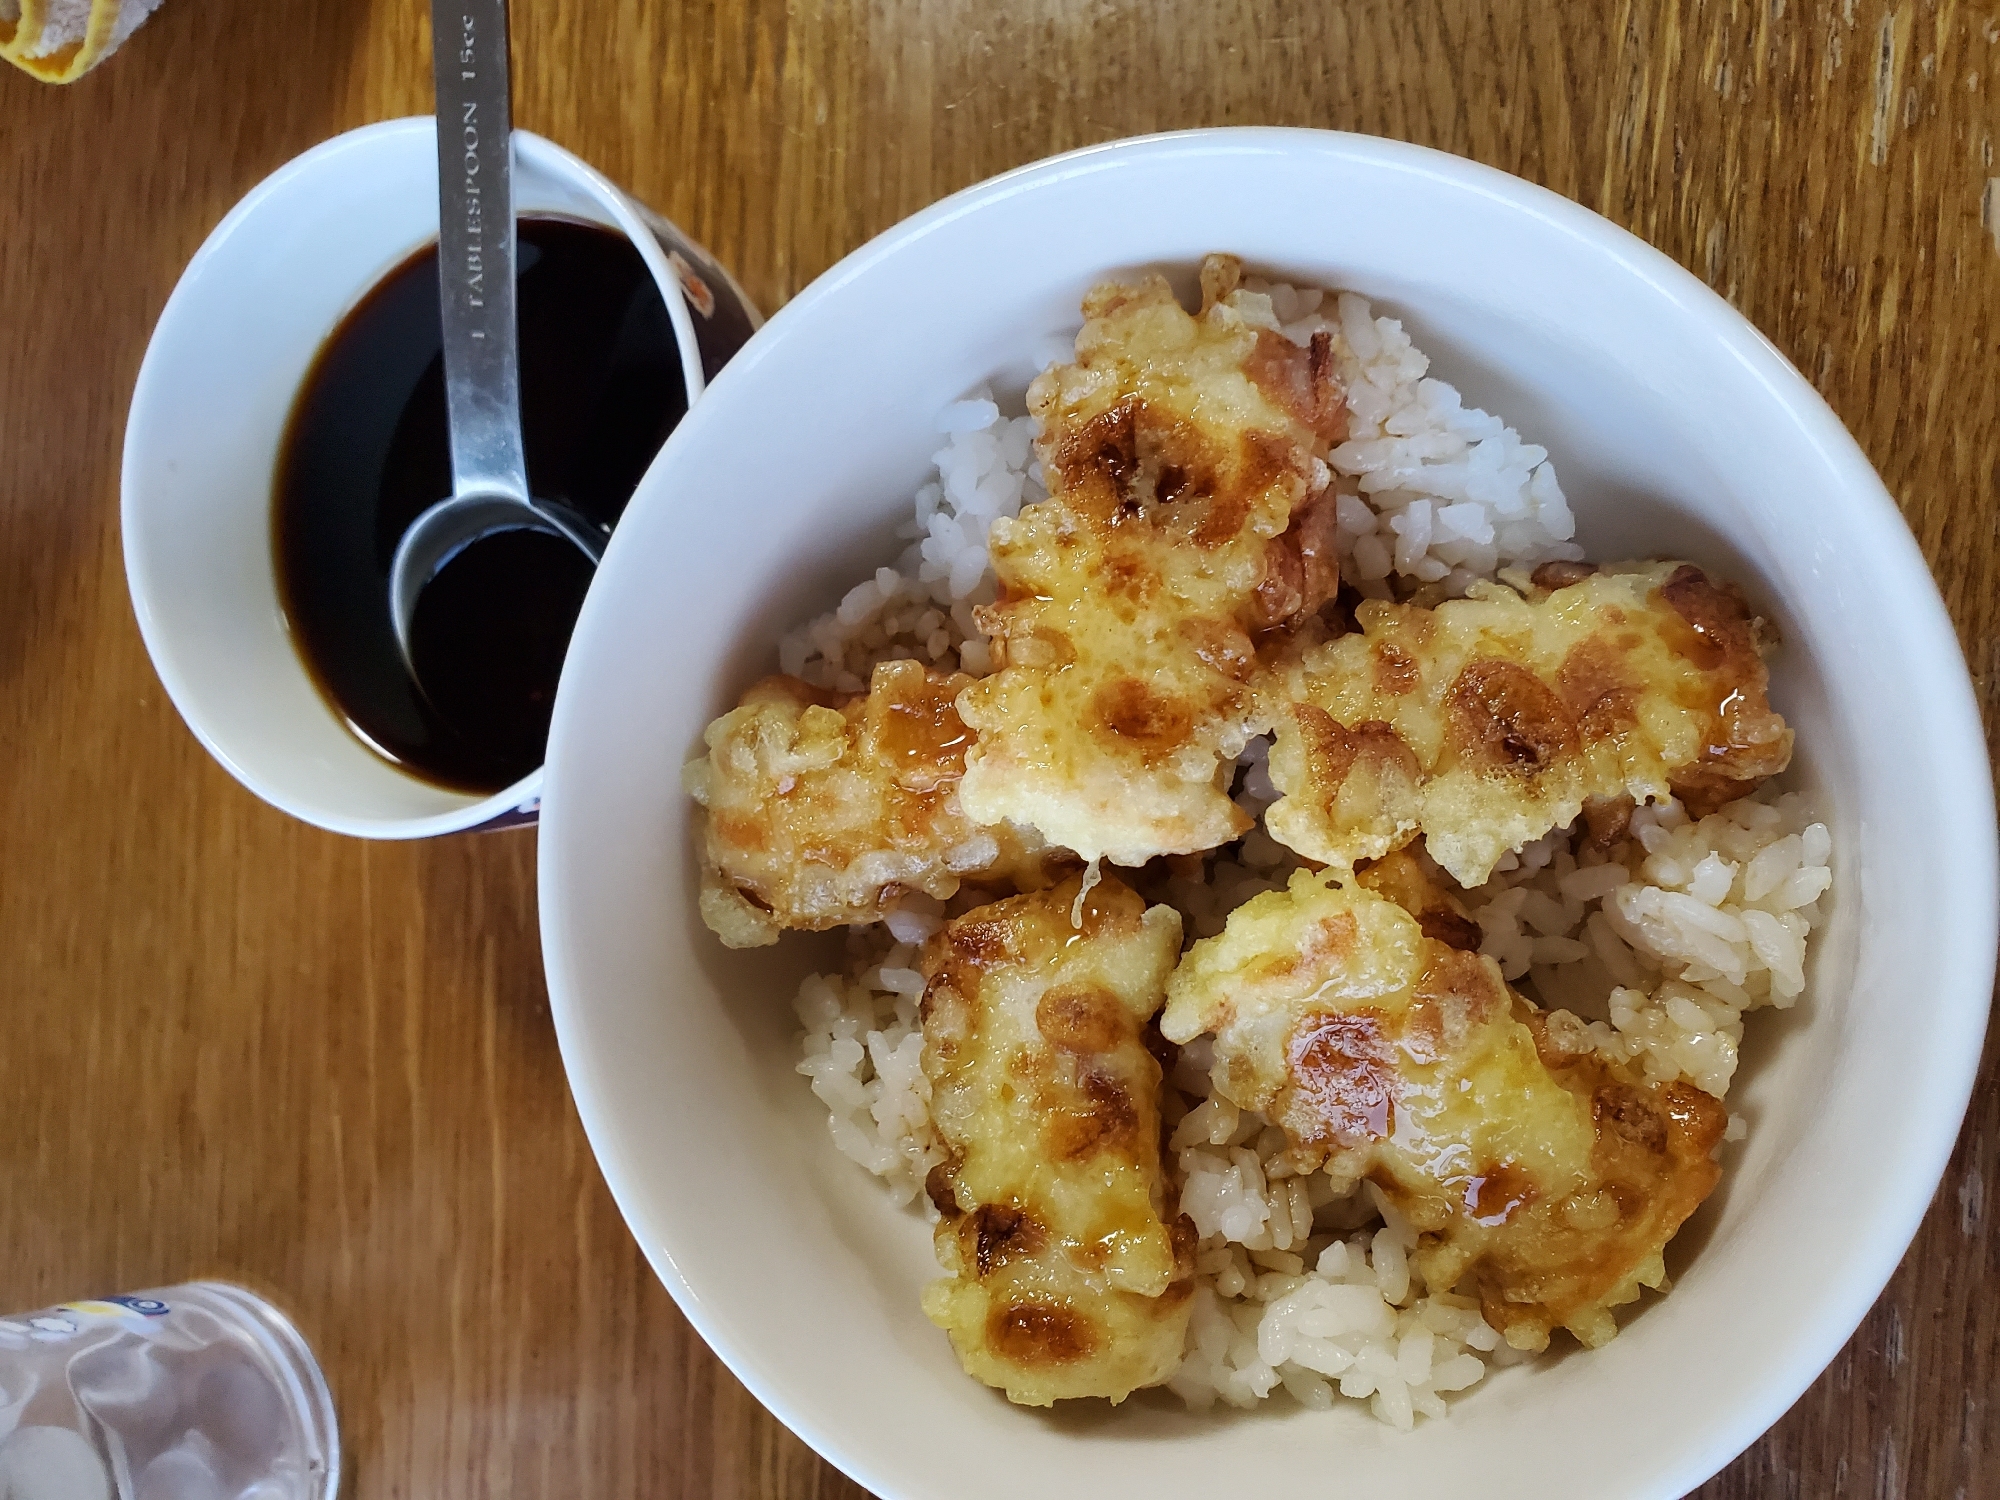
column 1961, row 741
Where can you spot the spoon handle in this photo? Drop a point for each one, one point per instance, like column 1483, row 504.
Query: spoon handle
column 482, row 375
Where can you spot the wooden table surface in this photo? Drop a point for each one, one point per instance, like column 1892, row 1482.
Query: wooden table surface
column 237, row 1046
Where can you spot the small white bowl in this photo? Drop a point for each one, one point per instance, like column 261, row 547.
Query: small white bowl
column 227, row 357
column 1676, row 429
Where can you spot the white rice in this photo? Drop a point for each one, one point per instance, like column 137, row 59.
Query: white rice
column 1332, row 1316
column 863, row 1051
column 1434, row 492
column 1652, row 953
column 1660, row 950
column 922, row 607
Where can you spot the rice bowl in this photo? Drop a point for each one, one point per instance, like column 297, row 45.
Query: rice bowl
column 1656, row 403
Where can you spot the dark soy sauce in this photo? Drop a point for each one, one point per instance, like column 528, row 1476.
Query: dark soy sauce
column 366, row 452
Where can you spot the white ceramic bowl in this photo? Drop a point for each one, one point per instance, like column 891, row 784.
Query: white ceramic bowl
column 226, row 359
column 1676, row 429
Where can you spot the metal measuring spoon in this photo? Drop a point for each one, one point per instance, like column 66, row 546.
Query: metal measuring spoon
column 482, row 367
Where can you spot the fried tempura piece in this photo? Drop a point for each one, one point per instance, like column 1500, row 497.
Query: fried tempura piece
column 1485, row 722
column 1538, row 1177
column 1188, row 512
column 1409, row 878
column 1065, row 1276
column 823, row 808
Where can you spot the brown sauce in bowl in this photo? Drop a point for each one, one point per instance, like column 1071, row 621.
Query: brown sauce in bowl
column 366, row 452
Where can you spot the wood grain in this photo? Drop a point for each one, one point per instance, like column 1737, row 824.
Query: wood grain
column 237, row 1046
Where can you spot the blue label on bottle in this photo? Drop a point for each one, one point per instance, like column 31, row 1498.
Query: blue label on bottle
column 145, row 1306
